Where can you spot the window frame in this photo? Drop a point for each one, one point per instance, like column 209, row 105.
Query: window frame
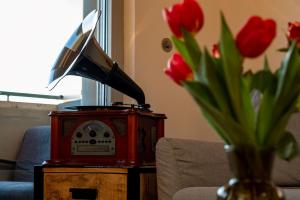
column 110, row 34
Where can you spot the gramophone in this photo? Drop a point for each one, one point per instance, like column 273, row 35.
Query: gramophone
column 116, row 135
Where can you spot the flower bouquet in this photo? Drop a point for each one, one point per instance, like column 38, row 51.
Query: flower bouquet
column 224, row 91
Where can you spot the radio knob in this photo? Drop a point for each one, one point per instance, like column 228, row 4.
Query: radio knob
column 79, row 135
column 106, row 134
column 93, row 141
column 93, row 133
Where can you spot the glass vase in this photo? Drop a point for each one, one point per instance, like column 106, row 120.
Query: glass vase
column 251, row 169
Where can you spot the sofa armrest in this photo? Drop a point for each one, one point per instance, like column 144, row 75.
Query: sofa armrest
column 7, row 162
column 185, row 163
column 168, row 175
column 7, row 168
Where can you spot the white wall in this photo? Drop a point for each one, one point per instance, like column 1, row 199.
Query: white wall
column 15, row 118
column 144, row 59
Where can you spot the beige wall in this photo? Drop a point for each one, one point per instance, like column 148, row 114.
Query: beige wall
column 144, row 59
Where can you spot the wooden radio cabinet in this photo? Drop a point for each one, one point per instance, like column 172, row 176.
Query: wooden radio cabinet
column 106, row 137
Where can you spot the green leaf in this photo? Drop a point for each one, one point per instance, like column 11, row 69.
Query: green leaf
column 283, row 49
column 199, row 90
column 232, row 68
column 182, row 49
column 249, row 112
column 288, row 81
column 286, row 96
column 215, row 82
column 262, row 79
column 265, row 114
column 266, row 64
column 248, row 77
column 231, row 130
column 287, row 147
column 216, row 126
column 189, row 49
column 265, row 82
column 298, row 104
column 192, row 48
column 272, row 104
column 278, row 127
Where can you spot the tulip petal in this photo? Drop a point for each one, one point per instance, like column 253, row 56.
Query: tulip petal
column 177, row 69
column 255, row 37
column 294, row 32
column 186, row 15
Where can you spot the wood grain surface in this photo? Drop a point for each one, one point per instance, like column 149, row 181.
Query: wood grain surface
column 109, row 186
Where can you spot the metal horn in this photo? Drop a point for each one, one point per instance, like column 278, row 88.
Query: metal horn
column 83, row 56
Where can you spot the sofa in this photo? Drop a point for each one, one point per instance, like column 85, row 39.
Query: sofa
column 35, row 149
column 193, row 170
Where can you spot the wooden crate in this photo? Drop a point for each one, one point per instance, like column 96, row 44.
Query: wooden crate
column 108, row 183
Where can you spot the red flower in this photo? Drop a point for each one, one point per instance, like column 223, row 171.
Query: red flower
column 216, row 51
column 294, row 32
column 187, row 15
column 178, row 70
column 254, row 38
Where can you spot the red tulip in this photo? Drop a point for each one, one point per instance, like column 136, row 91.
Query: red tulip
column 216, row 51
column 178, row 70
column 294, row 32
column 187, row 15
column 254, row 38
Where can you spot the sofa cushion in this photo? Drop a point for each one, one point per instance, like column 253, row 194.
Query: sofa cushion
column 193, row 193
column 34, row 150
column 209, row 193
column 10, row 190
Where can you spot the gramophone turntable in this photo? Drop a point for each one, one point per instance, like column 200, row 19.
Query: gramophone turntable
column 116, row 135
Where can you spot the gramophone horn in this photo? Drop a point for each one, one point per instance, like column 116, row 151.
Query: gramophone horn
column 83, row 56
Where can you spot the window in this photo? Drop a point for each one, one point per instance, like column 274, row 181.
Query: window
column 94, row 93
column 110, row 36
column 33, row 33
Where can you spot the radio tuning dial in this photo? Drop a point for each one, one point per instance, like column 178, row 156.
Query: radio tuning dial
column 92, row 141
column 106, row 134
column 79, row 135
column 93, row 138
column 93, row 133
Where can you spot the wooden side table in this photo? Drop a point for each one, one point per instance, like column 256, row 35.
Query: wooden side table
column 67, row 183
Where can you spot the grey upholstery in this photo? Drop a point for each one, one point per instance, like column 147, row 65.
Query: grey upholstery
column 189, row 163
column 192, row 169
column 34, row 150
column 13, row 190
column 209, row 193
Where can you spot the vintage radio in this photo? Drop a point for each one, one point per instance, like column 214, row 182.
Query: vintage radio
column 123, row 136
column 117, row 135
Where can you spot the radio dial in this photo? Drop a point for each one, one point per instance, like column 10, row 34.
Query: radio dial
column 93, row 137
column 92, row 141
column 106, row 134
column 79, row 135
column 93, row 133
